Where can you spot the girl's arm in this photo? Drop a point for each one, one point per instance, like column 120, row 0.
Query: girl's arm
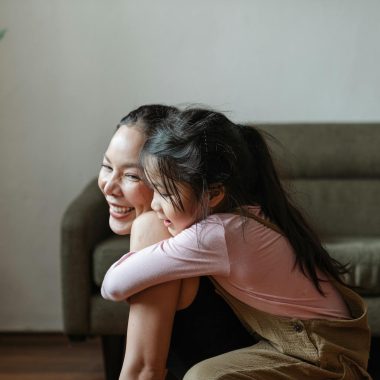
column 197, row 251
column 152, row 311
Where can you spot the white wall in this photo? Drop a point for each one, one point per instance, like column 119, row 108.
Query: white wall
column 69, row 70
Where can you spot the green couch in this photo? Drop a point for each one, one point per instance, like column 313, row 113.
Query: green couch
column 333, row 172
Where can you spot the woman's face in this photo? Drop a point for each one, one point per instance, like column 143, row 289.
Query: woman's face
column 120, row 179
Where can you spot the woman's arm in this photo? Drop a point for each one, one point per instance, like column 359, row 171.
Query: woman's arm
column 152, row 311
column 149, row 331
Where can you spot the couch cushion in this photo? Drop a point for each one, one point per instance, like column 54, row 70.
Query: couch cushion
column 106, row 253
column 108, row 318
column 345, row 207
column 327, row 150
column 363, row 255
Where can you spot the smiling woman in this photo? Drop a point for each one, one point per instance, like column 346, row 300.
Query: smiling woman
column 129, row 199
column 120, row 179
column 153, row 322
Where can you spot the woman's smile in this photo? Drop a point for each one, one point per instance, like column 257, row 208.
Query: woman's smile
column 120, row 179
column 120, row 212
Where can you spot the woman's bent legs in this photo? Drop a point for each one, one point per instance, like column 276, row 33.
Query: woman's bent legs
column 207, row 328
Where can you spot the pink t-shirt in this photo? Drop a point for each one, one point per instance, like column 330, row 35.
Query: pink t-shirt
column 253, row 263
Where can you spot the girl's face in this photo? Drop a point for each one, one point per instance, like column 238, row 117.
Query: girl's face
column 120, row 179
column 176, row 220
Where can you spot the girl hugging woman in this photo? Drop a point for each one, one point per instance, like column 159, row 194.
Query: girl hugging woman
column 217, row 193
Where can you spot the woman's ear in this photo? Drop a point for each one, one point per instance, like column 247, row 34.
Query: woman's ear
column 216, row 195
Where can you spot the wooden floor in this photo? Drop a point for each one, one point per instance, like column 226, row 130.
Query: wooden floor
column 53, row 357
column 49, row 357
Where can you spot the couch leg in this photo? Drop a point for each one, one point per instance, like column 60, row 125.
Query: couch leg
column 77, row 338
column 113, row 354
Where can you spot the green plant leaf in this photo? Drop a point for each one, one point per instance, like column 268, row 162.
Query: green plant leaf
column 2, row 33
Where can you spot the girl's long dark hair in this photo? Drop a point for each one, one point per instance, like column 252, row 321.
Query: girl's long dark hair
column 278, row 207
column 203, row 148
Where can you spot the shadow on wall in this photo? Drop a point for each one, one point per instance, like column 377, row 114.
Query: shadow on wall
column 2, row 33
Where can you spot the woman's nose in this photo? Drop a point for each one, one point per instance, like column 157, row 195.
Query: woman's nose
column 112, row 186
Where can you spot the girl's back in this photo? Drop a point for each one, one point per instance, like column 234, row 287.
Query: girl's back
column 263, row 273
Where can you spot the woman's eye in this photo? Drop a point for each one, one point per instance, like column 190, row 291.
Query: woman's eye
column 105, row 166
column 132, row 177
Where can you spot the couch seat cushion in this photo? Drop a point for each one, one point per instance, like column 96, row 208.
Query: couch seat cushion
column 363, row 255
column 106, row 253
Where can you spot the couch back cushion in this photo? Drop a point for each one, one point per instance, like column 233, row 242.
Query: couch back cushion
column 327, row 150
column 332, row 171
column 339, row 207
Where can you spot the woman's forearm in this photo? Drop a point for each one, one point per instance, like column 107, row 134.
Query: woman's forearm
column 151, row 313
column 149, row 331
column 151, row 310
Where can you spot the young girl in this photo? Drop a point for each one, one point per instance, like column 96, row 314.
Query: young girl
column 217, row 192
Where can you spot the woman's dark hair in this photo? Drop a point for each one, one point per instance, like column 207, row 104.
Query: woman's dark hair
column 203, row 149
column 149, row 116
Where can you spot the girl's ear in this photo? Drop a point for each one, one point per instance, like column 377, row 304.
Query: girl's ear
column 216, row 195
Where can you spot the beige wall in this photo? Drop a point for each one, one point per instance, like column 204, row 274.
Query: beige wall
column 69, row 70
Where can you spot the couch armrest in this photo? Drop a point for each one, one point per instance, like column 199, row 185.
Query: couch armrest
column 84, row 224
